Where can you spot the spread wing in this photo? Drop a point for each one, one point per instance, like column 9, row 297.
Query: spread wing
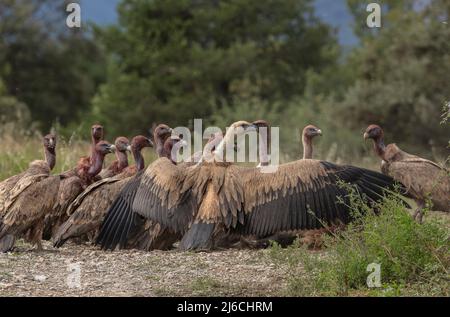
column 304, row 194
column 156, row 193
column 165, row 194
column 120, row 218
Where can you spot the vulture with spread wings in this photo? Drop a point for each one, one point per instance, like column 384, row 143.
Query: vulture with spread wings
column 203, row 200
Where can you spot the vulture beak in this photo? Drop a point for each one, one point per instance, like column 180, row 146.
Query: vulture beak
column 319, row 132
column 129, row 148
column 111, row 148
column 366, row 135
column 150, row 142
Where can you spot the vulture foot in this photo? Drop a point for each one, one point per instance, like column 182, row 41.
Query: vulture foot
column 418, row 215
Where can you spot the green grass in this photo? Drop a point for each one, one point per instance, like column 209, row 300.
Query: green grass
column 206, row 286
column 414, row 258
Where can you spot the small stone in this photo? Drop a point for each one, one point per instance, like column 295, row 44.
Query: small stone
column 40, row 278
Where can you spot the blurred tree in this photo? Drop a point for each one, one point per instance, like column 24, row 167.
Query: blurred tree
column 53, row 69
column 402, row 75
column 174, row 60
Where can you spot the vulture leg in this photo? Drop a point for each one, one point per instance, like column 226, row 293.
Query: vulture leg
column 418, row 213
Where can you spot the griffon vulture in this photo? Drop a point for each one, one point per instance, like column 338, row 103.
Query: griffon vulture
column 423, row 179
column 203, row 200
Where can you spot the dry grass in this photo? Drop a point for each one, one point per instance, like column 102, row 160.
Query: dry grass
column 19, row 150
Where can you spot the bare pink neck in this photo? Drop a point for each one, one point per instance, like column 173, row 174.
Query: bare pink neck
column 93, row 153
column 97, row 164
column 122, row 159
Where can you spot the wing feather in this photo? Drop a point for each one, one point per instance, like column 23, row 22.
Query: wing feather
column 304, row 195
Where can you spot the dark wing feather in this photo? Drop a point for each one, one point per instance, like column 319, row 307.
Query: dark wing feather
column 115, row 223
column 304, row 195
column 164, row 195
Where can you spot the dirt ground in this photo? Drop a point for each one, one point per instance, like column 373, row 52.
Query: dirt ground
column 54, row 272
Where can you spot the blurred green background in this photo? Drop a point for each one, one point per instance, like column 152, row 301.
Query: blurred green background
column 221, row 60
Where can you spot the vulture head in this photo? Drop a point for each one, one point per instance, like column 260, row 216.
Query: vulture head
column 97, row 132
column 162, row 132
column 310, row 131
column 139, row 142
column 121, row 144
column 373, row 132
column 103, row 147
column 236, row 129
column 50, row 142
column 261, row 123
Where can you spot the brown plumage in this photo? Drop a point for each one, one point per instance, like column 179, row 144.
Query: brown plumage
column 72, row 184
column 308, row 133
column 28, row 199
column 89, row 208
column 203, row 200
column 121, row 146
column 423, row 179
column 147, row 234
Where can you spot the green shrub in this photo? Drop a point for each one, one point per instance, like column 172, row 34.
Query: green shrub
column 411, row 256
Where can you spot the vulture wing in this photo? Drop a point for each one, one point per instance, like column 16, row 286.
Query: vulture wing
column 89, row 208
column 69, row 189
column 5, row 189
column 89, row 190
column 422, row 179
column 120, row 218
column 164, row 194
column 304, row 194
column 29, row 208
column 37, row 171
column 157, row 194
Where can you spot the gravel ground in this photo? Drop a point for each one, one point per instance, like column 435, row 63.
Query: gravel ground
column 27, row 272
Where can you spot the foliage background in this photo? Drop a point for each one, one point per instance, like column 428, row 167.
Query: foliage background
column 175, row 60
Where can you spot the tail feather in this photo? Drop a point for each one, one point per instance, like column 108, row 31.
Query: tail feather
column 198, row 237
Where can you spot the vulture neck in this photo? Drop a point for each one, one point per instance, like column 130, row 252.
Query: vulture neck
column 97, row 164
column 167, row 151
column 122, row 160
column 159, row 141
column 263, row 144
column 138, row 159
column 379, row 147
column 93, row 144
column 50, row 157
column 307, row 147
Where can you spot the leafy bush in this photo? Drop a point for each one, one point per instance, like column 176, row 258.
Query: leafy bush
column 412, row 257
